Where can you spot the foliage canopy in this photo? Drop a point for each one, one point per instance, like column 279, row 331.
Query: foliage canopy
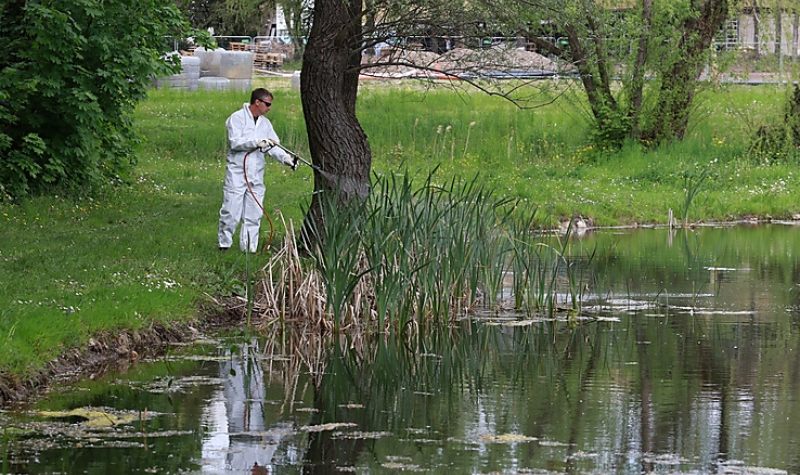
column 72, row 71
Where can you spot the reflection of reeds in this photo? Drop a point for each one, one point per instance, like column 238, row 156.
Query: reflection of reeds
column 412, row 255
column 448, row 359
column 293, row 354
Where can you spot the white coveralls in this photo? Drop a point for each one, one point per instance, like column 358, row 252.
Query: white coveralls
column 238, row 205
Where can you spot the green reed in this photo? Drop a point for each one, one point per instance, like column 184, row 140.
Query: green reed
column 693, row 183
column 413, row 254
column 542, row 271
column 338, row 254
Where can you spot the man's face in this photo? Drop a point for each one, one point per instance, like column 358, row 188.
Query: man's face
column 264, row 104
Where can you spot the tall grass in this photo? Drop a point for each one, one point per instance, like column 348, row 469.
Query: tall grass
column 542, row 156
column 412, row 255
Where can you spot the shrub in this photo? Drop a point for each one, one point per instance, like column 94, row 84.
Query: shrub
column 72, row 72
column 779, row 142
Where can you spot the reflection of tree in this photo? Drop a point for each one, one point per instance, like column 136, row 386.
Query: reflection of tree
column 323, row 449
column 587, row 373
column 645, row 399
column 675, row 385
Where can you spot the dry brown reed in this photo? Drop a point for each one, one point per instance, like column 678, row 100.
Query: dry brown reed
column 292, row 291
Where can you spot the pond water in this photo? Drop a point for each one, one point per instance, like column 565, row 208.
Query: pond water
column 685, row 361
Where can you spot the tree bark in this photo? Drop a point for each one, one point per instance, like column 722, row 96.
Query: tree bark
column 580, row 59
column 637, row 75
column 601, row 53
column 594, row 73
column 679, row 81
column 329, row 87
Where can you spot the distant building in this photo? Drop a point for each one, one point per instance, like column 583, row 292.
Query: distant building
column 763, row 31
column 755, row 29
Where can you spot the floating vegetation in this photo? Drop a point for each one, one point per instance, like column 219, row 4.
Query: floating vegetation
column 400, row 463
column 97, row 418
column 409, row 467
column 506, row 438
column 145, row 435
column 177, row 385
column 552, row 443
column 362, row 435
column 663, row 459
column 326, row 427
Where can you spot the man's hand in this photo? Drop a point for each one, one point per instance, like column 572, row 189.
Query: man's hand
column 265, row 144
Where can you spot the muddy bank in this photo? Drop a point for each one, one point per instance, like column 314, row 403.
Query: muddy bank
column 110, row 351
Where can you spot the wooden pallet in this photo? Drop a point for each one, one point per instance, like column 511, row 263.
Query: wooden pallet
column 268, row 60
column 263, row 58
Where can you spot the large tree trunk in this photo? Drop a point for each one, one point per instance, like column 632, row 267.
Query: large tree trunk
column 329, row 86
column 679, row 81
column 637, row 75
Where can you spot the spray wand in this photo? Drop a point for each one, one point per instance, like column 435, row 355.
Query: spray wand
column 344, row 183
column 299, row 158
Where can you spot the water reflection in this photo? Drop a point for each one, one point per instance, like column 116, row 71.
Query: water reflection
column 692, row 369
column 237, row 437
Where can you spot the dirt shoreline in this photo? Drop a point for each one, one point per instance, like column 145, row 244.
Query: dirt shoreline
column 114, row 350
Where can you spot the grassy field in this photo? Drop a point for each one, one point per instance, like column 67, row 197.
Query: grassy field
column 147, row 252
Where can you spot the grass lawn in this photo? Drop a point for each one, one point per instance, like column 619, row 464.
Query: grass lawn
column 147, row 252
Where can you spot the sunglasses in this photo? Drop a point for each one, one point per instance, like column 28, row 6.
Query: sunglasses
column 268, row 104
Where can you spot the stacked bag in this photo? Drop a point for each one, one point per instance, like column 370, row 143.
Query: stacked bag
column 213, row 69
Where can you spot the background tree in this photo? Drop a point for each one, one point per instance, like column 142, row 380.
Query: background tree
column 230, row 17
column 72, row 71
column 668, row 41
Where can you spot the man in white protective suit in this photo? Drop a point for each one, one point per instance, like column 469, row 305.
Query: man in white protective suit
column 250, row 135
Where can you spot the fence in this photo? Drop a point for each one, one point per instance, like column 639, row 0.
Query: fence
column 272, row 51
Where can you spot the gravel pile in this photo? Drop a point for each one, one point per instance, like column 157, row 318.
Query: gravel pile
column 398, row 62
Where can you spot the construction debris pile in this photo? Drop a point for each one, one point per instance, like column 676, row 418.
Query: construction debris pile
column 495, row 62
